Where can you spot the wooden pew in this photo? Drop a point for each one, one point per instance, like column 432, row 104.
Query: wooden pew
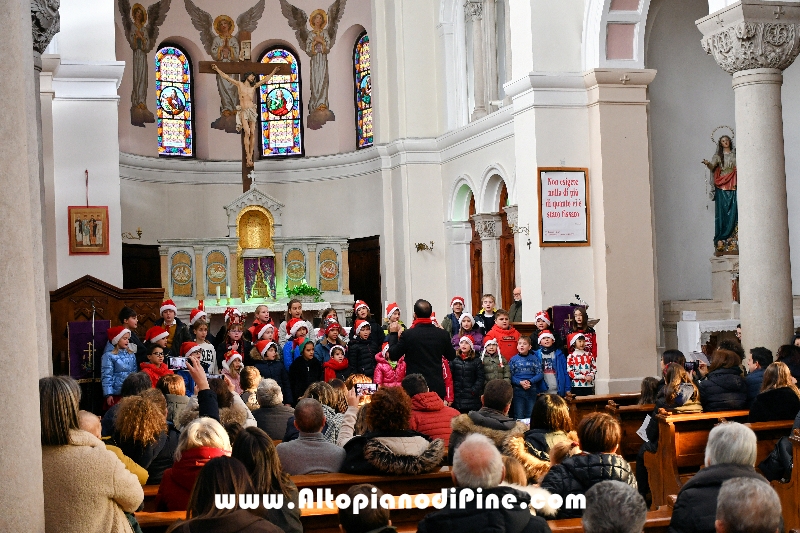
column 789, row 493
column 580, row 406
column 657, row 522
column 682, row 442
column 339, row 483
column 630, row 418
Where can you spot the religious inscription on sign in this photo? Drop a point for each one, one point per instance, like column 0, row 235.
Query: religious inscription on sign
column 564, row 207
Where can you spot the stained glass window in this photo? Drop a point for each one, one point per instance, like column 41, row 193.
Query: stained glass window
column 363, row 91
column 280, row 108
column 174, row 102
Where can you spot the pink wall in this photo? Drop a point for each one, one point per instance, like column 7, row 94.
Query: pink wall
column 334, row 137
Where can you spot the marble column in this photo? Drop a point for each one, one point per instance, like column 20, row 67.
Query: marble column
column 489, row 227
column 474, row 15
column 22, row 502
column 490, row 59
column 458, row 235
column 345, row 269
column 312, row 263
column 199, row 275
column 280, row 276
column 508, row 59
column 755, row 41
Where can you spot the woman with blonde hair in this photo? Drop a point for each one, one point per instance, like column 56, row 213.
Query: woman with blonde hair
column 202, row 440
column 80, row 475
column 779, row 398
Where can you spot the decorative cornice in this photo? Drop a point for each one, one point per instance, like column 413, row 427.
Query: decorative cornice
column 751, row 45
column 488, row 225
column 46, row 22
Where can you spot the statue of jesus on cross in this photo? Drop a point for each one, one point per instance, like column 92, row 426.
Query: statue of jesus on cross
column 246, row 111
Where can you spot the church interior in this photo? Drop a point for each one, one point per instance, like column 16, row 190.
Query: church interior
column 128, row 176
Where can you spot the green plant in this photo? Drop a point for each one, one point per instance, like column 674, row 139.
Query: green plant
column 304, row 289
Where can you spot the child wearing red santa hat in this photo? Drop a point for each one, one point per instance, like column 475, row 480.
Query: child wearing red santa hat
column 232, row 367
column 116, row 364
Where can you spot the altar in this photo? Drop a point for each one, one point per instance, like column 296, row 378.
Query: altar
column 255, row 264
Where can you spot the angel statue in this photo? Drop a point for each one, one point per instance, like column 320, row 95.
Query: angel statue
column 317, row 43
column 723, row 186
column 224, row 46
column 141, row 29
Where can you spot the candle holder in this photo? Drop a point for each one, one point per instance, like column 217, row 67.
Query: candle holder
column 217, row 302
column 229, row 302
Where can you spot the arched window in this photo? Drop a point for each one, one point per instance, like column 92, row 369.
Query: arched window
column 174, row 102
column 363, row 91
column 281, row 124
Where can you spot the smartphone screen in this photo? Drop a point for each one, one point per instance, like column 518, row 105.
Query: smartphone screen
column 177, row 363
column 366, row 389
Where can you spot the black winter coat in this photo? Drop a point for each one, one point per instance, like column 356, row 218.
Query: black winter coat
column 303, row 373
column 775, row 404
column 424, row 346
column 376, row 337
column 468, row 381
column 361, row 357
column 277, row 371
column 696, row 507
column 156, row 457
column 579, row 473
column 518, row 519
column 724, row 389
column 182, row 334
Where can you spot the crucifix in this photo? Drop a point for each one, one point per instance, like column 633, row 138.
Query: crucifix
column 247, row 110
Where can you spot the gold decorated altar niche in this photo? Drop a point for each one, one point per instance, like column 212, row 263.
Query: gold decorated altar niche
column 255, row 258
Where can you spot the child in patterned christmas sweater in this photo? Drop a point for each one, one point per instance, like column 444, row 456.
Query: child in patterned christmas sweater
column 580, row 366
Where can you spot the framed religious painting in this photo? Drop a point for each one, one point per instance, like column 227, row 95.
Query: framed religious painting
column 88, row 230
column 563, row 207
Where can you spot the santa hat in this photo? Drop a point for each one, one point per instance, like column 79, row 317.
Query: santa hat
column 295, row 324
column 391, row 308
column 168, row 305
column 486, row 344
column 466, row 315
column 188, row 348
column 457, row 300
column 359, row 304
column 196, row 315
column 468, row 339
column 233, row 316
column 328, row 325
column 260, row 329
column 360, row 324
column 385, row 348
column 263, row 346
column 545, row 334
column 156, row 333
column 337, row 347
column 544, row 316
column 229, row 358
column 116, row 333
column 572, row 337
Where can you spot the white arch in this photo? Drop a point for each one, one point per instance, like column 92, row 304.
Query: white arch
column 598, row 16
column 462, row 190
column 453, row 61
column 492, row 181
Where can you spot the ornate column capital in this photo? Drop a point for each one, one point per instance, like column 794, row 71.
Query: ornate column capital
column 488, row 225
column 753, row 34
column 46, row 22
column 512, row 214
column 473, row 10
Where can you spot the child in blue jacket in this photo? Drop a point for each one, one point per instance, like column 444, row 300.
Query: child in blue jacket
column 526, row 379
column 554, row 365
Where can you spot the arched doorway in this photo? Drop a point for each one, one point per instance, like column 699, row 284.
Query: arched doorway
column 508, row 254
column 476, row 261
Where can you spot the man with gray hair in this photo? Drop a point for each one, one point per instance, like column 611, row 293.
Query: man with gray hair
column 614, row 507
column 730, row 453
column 311, row 452
column 747, row 505
column 481, row 501
column 272, row 415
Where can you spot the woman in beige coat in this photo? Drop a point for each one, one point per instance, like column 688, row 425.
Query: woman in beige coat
column 86, row 487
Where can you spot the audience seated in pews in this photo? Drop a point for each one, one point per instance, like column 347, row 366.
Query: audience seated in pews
column 255, row 450
column 730, row 453
column 429, row 415
column 550, row 424
column 143, row 433
column 222, row 475
column 340, row 392
column 90, row 423
column 759, row 360
column 723, row 388
column 650, row 386
column 680, row 395
column 599, row 435
column 367, row 520
column 789, row 354
column 478, row 464
column 331, row 405
column 173, row 388
column 310, row 453
column 133, row 384
column 249, row 380
column 86, row 489
column 272, row 414
column 202, row 440
column 747, row 505
column 779, row 398
column 614, row 507
column 668, row 357
column 491, row 420
column 390, row 447
column 513, row 473
column 232, row 408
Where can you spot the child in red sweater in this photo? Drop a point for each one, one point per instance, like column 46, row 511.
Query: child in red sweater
column 155, row 368
column 337, row 366
column 504, row 333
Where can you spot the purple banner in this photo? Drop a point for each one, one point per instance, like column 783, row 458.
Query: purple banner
column 259, row 274
column 86, row 350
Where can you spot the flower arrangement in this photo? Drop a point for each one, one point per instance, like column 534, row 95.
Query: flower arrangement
column 304, row 292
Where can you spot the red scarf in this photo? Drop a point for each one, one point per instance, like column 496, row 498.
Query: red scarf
column 331, row 366
column 298, row 341
column 418, row 321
